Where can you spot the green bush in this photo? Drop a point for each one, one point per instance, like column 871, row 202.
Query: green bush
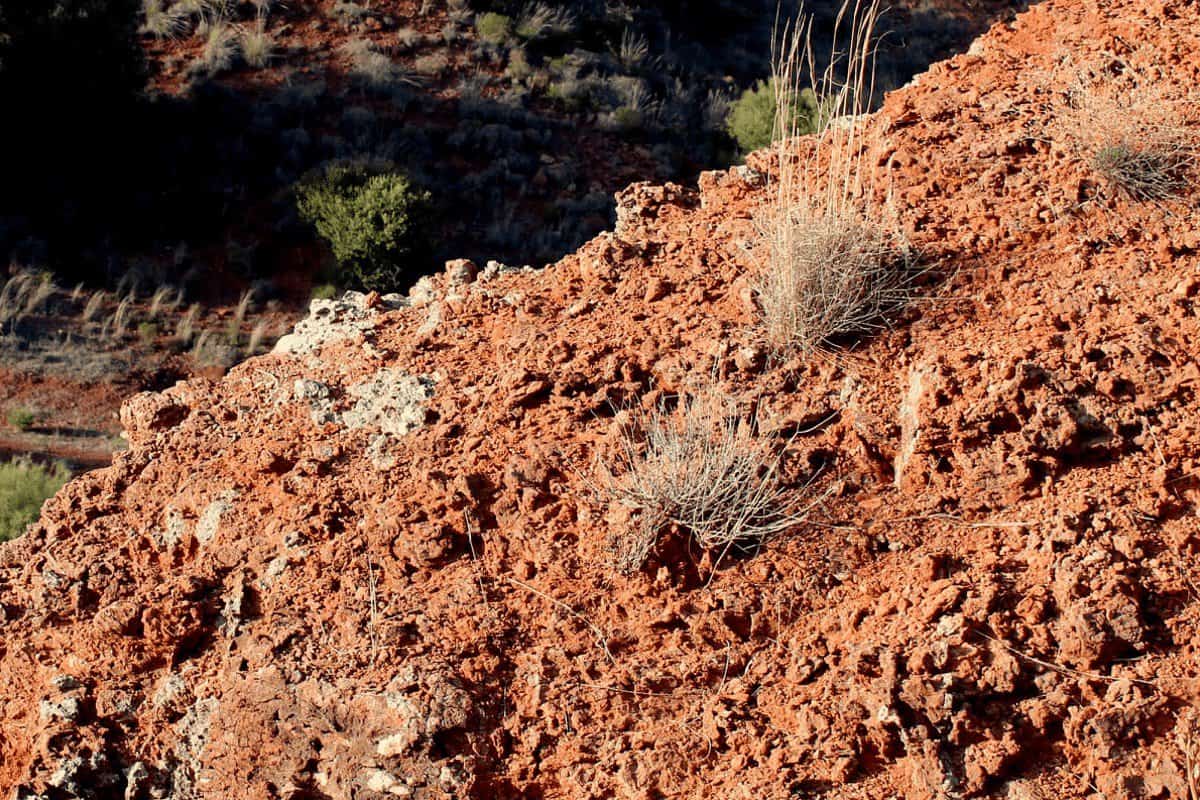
column 326, row 291
column 372, row 217
column 493, row 27
column 21, row 418
column 24, row 487
column 751, row 119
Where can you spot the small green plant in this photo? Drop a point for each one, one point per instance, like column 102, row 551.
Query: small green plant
column 628, row 119
column 373, row 218
column 571, row 93
column 1143, row 172
column 24, row 487
column 518, row 66
column 752, row 121
column 326, row 291
column 21, row 418
column 493, row 27
column 148, row 332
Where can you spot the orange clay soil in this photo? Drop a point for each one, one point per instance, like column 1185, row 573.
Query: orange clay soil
column 372, row 567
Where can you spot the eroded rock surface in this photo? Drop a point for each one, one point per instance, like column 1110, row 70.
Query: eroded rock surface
column 372, row 565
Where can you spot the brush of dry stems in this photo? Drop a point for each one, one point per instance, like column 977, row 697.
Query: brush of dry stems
column 1122, row 123
column 702, row 467
column 836, row 264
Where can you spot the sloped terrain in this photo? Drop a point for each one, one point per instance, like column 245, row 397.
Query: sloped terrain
column 371, row 564
column 520, row 138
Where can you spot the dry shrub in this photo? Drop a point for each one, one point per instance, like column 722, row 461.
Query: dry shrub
column 257, row 43
column 220, row 47
column 1121, row 123
column 14, row 297
column 701, row 467
column 372, row 68
column 161, row 21
column 831, row 277
column 837, row 264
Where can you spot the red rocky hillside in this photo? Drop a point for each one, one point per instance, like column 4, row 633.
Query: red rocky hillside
column 373, row 563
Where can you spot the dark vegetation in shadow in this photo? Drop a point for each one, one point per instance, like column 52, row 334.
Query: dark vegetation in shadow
column 521, row 154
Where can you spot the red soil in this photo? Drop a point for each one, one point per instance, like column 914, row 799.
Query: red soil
column 998, row 594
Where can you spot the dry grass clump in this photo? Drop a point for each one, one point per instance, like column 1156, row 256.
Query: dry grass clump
column 22, row 295
column 701, row 467
column 1143, row 173
column 161, row 21
column 185, row 329
column 540, row 20
column 220, row 46
column 1127, row 130
column 836, row 263
column 94, row 305
column 372, row 68
column 165, row 298
column 832, row 277
column 116, row 326
column 257, row 43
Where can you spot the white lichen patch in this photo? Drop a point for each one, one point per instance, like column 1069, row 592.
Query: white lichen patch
column 332, row 320
column 318, row 397
column 391, row 400
column 173, row 529
column 210, row 518
column 170, row 689
column 192, row 734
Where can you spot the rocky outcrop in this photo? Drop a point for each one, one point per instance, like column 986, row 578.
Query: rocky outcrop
column 372, row 563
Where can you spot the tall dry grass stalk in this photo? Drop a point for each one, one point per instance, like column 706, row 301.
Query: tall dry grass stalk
column 94, row 305
column 836, row 263
column 257, row 337
column 12, row 297
column 185, row 331
column 38, row 296
column 118, row 325
column 165, row 298
column 239, row 317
